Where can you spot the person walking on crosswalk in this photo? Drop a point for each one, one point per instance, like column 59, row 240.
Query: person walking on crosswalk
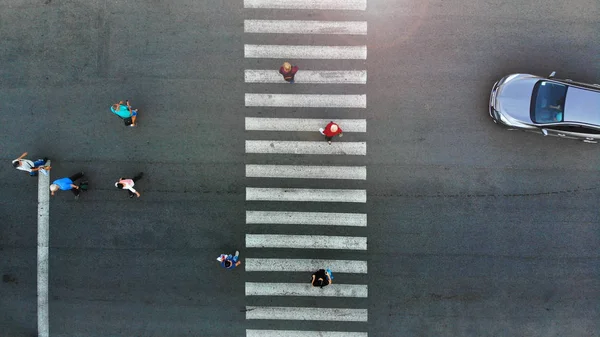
column 321, row 278
column 288, row 72
column 330, row 131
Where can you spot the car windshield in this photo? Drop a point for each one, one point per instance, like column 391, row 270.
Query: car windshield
column 548, row 102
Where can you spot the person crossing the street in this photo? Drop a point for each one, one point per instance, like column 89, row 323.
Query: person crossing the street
column 127, row 184
column 331, row 130
column 288, row 72
column 33, row 167
column 66, row 184
column 124, row 110
column 229, row 261
column 322, row 278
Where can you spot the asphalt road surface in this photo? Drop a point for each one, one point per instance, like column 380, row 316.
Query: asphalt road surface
column 434, row 220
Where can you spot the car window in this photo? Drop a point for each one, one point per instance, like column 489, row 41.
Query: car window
column 574, row 128
column 548, row 102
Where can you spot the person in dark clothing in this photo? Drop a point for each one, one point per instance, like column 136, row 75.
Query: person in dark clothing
column 321, row 278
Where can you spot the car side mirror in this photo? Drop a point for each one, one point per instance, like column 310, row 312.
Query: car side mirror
column 545, row 132
column 552, row 74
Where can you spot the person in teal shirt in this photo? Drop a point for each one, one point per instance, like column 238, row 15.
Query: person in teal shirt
column 124, row 111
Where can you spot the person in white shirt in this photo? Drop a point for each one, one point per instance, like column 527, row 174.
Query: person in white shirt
column 30, row 166
column 127, row 184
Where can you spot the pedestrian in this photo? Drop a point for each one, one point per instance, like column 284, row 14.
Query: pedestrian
column 288, row 71
column 127, row 184
column 229, row 261
column 330, row 131
column 66, row 184
column 33, row 167
column 125, row 111
column 321, row 278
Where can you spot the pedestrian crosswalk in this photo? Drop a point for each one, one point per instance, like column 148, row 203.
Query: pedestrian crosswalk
column 301, row 124
column 291, row 333
column 305, row 27
column 308, row 76
column 305, row 194
column 305, row 265
column 307, row 314
column 306, row 218
column 306, row 147
column 306, row 172
column 305, row 241
column 305, row 198
column 306, row 100
column 359, row 5
column 304, row 289
column 305, row 52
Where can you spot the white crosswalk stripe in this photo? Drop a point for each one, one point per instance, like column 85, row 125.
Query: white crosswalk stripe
column 305, row 27
column 306, row 101
column 306, row 241
column 294, row 147
column 305, row 194
column 306, row 218
column 308, row 76
column 302, row 124
column 305, row 289
column 304, row 265
column 299, row 333
column 307, row 314
column 357, row 5
column 269, row 51
column 306, row 172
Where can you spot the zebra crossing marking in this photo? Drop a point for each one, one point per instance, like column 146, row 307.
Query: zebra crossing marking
column 307, row 314
column 305, row 289
column 306, row 241
column 306, row 100
column 307, row 76
column 297, row 147
column 306, row 218
column 304, row 265
column 269, row 51
column 302, row 124
column 305, row 194
column 357, row 5
column 306, row 172
column 305, row 27
column 299, row 333
column 350, row 51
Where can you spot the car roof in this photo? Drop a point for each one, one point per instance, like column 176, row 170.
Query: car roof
column 582, row 106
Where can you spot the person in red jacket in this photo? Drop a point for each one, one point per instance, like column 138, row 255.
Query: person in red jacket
column 330, row 131
column 288, row 71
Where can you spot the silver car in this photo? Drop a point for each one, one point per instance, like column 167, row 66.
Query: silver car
column 549, row 106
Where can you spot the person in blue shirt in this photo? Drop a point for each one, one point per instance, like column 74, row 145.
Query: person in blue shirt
column 124, row 111
column 229, row 261
column 66, row 184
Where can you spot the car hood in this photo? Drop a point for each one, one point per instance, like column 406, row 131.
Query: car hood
column 513, row 98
